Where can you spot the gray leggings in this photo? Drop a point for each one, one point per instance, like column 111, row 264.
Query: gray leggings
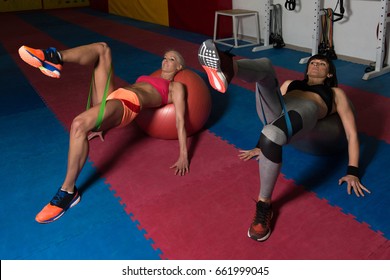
column 302, row 112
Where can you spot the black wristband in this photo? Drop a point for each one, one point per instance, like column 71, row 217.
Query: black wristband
column 353, row 170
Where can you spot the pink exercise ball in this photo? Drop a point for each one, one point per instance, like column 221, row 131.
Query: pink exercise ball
column 161, row 122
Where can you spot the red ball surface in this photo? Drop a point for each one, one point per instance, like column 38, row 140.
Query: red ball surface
column 161, row 122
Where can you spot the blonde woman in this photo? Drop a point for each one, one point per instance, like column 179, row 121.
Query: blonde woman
column 110, row 108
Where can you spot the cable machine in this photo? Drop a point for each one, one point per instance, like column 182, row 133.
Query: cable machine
column 318, row 13
column 384, row 19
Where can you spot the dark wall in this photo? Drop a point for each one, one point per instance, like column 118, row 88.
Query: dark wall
column 198, row 16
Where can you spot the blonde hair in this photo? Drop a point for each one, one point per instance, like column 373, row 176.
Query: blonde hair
column 180, row 58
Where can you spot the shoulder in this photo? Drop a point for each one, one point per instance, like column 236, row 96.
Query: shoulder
column 176, row 83
column 339, row 93
column 177, row 86
column 178, row 90
column 284, row 86
column 341, row 100
column 287, row 82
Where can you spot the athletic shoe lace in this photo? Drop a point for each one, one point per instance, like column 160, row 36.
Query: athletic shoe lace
column 62, row 199
column 51, row 55
column 263, row 214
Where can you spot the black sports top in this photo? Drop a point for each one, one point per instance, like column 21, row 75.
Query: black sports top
column 324, row 91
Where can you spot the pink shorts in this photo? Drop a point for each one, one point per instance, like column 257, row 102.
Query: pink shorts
column 131, row 104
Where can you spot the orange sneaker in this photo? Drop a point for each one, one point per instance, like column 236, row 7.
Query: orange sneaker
column 48, row 61
column 218, row 65
column 57, row 207
column 260, row 228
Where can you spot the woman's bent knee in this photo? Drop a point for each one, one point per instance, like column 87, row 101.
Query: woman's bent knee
column 105, row 50
column 270, row 149
column 79, row 127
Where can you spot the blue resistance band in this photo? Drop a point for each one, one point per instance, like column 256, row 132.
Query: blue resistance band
column 286, row 116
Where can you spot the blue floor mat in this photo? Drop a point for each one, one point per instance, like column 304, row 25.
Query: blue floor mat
column 28, row 155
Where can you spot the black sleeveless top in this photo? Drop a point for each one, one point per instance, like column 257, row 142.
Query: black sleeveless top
column 324, row 91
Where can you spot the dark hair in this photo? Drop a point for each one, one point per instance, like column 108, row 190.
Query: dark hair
column 329, row 81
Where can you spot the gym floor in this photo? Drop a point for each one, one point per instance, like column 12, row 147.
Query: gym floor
column 133, row 206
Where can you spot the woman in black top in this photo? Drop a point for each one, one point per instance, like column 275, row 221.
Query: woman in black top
column 306, row 102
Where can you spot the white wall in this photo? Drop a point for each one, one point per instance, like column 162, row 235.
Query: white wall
column 354, row 36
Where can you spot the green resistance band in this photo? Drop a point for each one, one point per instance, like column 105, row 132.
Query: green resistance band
column 103, row 103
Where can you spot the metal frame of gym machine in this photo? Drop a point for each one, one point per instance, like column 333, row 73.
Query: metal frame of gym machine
column 316, row 30
column 266, row 23
column 384, row 19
